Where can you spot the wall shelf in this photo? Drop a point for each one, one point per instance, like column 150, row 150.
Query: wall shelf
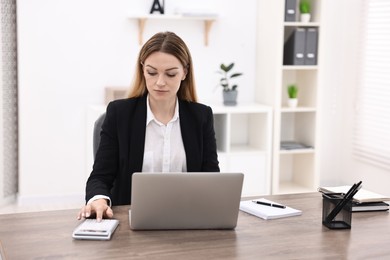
column 207, row 20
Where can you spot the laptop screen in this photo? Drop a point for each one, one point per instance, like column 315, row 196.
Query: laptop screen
column 190, row 200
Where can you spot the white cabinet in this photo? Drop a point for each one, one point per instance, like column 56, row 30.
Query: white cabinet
column 293, row 170
column 244, row 135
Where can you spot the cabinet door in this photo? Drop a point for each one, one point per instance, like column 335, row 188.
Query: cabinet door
column 253, row 165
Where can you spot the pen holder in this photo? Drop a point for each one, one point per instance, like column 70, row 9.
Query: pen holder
column 343, row 219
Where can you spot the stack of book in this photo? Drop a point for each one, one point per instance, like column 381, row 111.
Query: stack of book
column 292, row 145
column 363, row 201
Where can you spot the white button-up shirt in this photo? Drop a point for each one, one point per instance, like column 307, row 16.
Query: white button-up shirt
column 164, row 148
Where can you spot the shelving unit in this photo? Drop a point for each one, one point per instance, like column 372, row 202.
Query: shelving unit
column 142, row 19
column 293, row 171
column 244, row 141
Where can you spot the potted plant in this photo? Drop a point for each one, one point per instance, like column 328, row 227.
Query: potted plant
column 305, row 9
column 292, row 91
column 229, row 89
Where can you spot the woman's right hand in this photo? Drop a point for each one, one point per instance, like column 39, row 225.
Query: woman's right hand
column 98, row 207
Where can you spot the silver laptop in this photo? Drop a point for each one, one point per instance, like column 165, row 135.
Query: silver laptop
column 185, row 200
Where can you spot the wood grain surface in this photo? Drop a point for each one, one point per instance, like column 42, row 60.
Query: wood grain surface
column 47, row 235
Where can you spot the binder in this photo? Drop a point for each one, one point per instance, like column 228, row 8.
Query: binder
column 290, row 11
column 294, row 48
column 311, row 46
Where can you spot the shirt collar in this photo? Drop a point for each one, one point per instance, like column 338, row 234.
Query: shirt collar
column 150, row 116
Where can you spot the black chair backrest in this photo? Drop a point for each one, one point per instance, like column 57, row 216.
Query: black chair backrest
column 97, row 128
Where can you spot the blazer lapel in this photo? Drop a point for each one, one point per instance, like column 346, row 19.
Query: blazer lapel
column 189, row 134
column 137, row 124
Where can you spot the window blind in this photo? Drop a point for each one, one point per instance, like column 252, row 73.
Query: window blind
column 371, row 138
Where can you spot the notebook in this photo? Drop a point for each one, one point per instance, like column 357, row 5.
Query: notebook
column 361, row 196
column 204, row 200
column 268, row 212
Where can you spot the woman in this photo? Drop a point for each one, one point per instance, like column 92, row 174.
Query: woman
column 158, row 128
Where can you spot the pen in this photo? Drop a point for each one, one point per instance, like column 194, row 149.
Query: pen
column 269, row 204
column 347, row 197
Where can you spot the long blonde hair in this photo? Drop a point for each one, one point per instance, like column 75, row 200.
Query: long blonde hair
column 170, row 43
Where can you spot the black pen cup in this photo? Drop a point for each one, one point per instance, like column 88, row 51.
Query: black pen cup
column 343, row 219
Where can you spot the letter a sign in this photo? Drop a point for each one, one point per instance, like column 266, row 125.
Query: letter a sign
column 157, row 7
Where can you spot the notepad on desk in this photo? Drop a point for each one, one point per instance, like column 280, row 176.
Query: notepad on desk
column 361, row 196
column 370, row 206
column 266, row 211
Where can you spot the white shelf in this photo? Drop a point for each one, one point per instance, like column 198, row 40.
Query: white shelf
column 297, row 151
column 244, row 140
column 301, row 24
column 241, row 108
column 300, row 67
column 207, row 20
column 292, row 170
column 297, row 109
column 173, row 17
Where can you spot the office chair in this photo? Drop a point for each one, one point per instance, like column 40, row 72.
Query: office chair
column 97, row 128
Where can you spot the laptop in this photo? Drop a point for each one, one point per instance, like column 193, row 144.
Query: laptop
column 203, row 200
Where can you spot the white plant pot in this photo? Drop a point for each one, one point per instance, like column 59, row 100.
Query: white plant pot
column 305, row 18
column 292, row 102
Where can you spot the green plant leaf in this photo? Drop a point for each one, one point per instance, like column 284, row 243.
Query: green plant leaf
column 304, row 6
column 235, row 75
column 292, row 91
column 224, row 81
column 227, row 68
column 224, row 68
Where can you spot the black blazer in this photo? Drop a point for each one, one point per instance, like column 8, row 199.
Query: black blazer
column 121, row 148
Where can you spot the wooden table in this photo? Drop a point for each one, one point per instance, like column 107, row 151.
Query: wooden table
column 47, row 235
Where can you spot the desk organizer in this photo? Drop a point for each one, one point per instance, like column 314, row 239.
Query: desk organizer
column 343, row 219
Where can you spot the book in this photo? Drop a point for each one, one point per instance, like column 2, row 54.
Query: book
column 267, row 212
column 361, row 196
column 292, row 145
column 370, row 206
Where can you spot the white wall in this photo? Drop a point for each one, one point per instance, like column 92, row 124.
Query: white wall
column 333, row 92
column 373, row 177
column 1, row 122
column 69, row 50
column 342, row 24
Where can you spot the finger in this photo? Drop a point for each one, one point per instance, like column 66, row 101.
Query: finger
column 109, row 213
column 87, row 211
column 81, row 213
column 99, row 214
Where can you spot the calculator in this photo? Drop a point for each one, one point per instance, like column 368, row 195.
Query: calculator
column 90, row 229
